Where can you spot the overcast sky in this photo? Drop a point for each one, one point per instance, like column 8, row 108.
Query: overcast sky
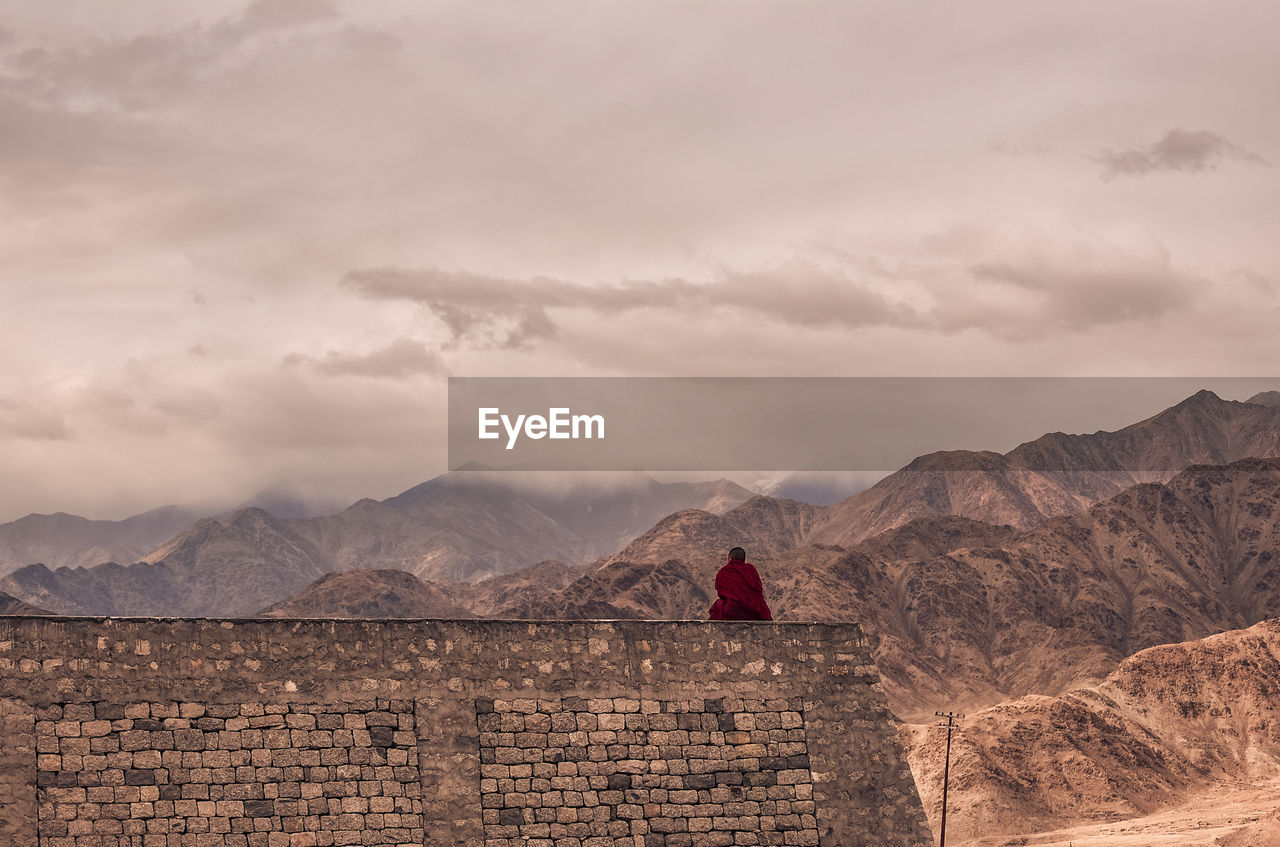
column 245, row 244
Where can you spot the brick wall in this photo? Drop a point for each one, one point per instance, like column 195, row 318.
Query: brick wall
column 711, row 771
column 240, row 775
column 199, row 733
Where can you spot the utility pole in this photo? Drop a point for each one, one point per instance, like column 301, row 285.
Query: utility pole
column 946, row 768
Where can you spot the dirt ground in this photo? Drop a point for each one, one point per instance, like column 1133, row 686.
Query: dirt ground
column 1228, row 815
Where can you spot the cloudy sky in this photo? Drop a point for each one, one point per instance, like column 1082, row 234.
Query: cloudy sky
column 245, row 244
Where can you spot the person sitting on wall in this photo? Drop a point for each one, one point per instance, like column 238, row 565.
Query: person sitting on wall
column 741, row 594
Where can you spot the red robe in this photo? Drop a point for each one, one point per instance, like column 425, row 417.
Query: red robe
column 741, row 594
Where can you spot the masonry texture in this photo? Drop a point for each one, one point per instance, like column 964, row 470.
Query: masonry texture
column 236, row 774
column 256, row 733
column 719, row 770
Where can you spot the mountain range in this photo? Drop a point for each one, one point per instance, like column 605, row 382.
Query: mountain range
column 63, row 540
column 1068, row 594
column 472, row 525
column 461, row 527
column 73, row 541
column 963, row 613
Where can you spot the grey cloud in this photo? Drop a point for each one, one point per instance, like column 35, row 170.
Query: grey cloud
column 1020, row 278
column 136, row 402
column 1077, row 298
column 150, row 70
column 487, row 311
column 402, row 357
column 267, row 15
column 256, row 151
column 1007, row 148
column 224, row 439
column 285, row 410
column 26, row 421
column 1178, row 150
column 1012, row 285
column 1257, row 282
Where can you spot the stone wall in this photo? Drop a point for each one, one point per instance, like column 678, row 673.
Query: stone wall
column 17, row 772
column 722, row 770
column 228, row 774
column 256, row 733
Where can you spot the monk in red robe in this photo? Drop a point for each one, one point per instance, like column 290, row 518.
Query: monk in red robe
column 741, row 594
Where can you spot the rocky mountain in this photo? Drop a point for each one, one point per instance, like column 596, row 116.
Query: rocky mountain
column 1266, row 398
column 368, row 594
column 10, row 605
column 965, row 614
column 459, row 527
column 620, row 590
column 473, row 525
column 1169, row 723
column 454, row 531
column 489, row 597
column 1058, row 474
column 387, row 593
column 214, row 568
column 61, row 539
column 468, row 526
column 763, row 525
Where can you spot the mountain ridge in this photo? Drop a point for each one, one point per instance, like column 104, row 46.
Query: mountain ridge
column 459, row 528
column 967, row 613
column 1168, row 721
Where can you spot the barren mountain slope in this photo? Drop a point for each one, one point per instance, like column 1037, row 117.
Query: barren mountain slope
column 1054, row 476
column 10, row 605
column 390, row 593
column 1266, row 398
column 368, row 594
column 459, row 527
column 72, row 541
column 459, row 533
column 467, row 526
column 662, row 591
column 1168, row 724
column 765, row 526
column 488, row 597
column 607, row 516
column 966, row 614
column 1060, row 604
column 215, row 568
column 669, row 571
column 1058, row 474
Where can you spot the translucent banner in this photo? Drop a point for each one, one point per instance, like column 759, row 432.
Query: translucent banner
column 833, row 424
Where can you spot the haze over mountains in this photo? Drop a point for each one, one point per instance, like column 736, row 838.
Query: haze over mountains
column 459, row 527
column 79, row 542
column 469, row 526
column 61, row 539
